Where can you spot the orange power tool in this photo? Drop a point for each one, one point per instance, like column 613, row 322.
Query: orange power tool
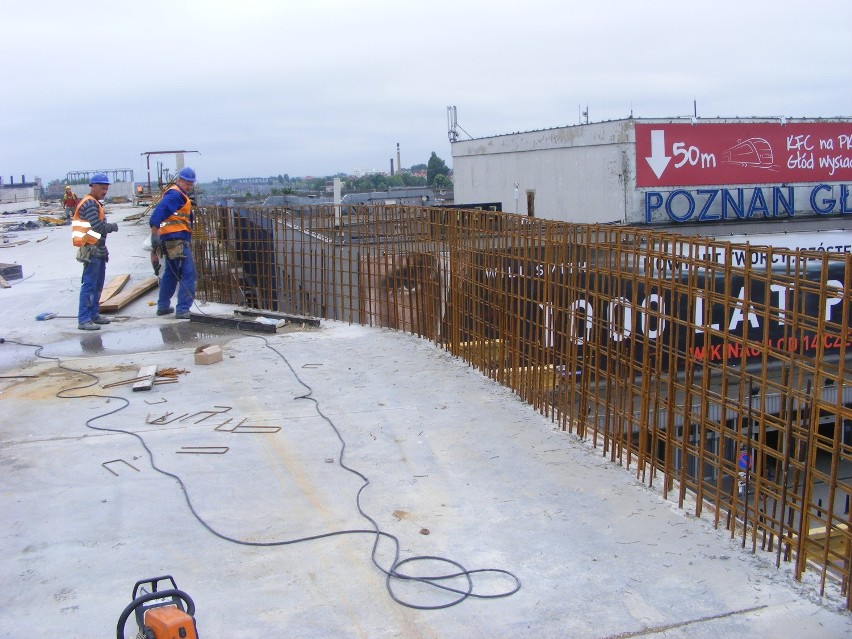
column 160, row 614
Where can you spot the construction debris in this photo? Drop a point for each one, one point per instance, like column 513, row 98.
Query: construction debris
column 289, row 317
column 171, row 372
column 113, row 287
column 149, row 375
column 233, row 322
column 146, row 378
column 119, row 301
column 53, row 221
column 12, row 271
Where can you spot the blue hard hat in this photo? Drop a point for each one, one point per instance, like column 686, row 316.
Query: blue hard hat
column 186, row 173
column 99, row 178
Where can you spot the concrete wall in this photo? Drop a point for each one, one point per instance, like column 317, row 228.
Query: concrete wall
column 17, row 199
column 116, row 189
column 577, row 173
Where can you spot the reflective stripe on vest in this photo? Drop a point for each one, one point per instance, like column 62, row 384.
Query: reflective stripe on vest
column 81, row 231
column 179, row 220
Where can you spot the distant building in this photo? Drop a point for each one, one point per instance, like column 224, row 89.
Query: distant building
column 700, row 174
column 17, row 196
column 406, row 195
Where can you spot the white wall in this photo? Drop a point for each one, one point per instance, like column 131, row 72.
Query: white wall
column 18, row 199
column 578, row 173
column 116, row 189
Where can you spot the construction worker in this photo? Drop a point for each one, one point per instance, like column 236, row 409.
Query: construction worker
column 70, row 202
column 89, row 229
column 171, row 236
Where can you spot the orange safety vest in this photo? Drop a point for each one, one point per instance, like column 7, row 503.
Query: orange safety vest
column 179, row 220
column 81, row 231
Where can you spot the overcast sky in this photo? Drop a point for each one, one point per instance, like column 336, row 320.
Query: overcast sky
column 267, row 87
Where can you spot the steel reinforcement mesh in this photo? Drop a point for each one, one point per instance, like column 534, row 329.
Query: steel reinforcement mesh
column 720, row 372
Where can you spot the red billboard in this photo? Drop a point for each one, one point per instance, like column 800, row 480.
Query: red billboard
column 705, row 154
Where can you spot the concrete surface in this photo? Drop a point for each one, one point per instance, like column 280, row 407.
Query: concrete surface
column 458, row 467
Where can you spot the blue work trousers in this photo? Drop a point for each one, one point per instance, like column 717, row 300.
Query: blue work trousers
column 177, row 274
column 90, row 291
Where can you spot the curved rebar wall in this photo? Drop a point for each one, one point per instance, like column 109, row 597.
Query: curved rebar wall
column 716, row 370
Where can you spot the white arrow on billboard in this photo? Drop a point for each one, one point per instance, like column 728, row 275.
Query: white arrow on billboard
column 658, row 160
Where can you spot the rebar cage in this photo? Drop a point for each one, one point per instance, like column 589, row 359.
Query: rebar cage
column 720, row 371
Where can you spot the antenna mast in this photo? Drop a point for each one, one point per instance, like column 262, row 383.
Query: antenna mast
column 452, row 124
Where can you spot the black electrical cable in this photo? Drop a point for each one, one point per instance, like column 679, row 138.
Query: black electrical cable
column 392, row 574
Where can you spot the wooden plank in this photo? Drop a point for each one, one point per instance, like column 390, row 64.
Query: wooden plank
column 4, row 283
column 124, row 298
column 148, row 373
column 295, row 319
column 115, row 285
column 232, row 322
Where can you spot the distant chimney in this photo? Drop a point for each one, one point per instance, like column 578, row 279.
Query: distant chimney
column 391, row 164
column 398, row 160
column 23, row 179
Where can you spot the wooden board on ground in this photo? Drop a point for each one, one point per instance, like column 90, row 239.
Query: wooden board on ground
column 115, row 285
column 117, row 302
column 293, row 319
column 4, row 283
column 228, row 321
column 149, row 373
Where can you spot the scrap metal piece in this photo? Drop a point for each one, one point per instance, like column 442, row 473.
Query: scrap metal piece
column 115, row 461
column 164, row 419
column 203, row 450
column 208, row 413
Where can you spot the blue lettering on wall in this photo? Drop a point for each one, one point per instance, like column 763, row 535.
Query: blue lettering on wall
column 737, row 206
column 757, row 204
column 653, row 201
column 713, row 205
column 705, row 215
column 690, row 205
column 824, row 206
column 779, row 202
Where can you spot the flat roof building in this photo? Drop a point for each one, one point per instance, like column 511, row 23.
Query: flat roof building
column 682, row 172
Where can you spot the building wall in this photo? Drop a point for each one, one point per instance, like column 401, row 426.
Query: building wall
column 667, row 172
column 116, row 189
column 576, row 173
column 18, row 198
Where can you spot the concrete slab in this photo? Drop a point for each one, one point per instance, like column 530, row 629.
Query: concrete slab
column 458, row 467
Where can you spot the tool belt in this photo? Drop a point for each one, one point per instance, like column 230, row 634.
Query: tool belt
column 87, row 252
column 174, row 249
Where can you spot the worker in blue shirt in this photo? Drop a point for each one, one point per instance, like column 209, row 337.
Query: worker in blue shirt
column 171, row 235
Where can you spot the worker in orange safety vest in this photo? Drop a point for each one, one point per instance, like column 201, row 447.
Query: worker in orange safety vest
column 89, row 229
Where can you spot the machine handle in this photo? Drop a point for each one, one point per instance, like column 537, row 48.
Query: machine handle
column 150, row 596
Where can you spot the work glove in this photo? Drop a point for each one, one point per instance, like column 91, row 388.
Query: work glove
column 155, row 242
column 112, row 227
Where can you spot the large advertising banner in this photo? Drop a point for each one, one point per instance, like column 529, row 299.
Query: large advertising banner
column 557, row 308
column 706, row 154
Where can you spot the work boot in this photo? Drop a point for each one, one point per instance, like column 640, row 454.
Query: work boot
column 165, row 311
column 182, row 315
column 100, row 319
column 88, row 326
